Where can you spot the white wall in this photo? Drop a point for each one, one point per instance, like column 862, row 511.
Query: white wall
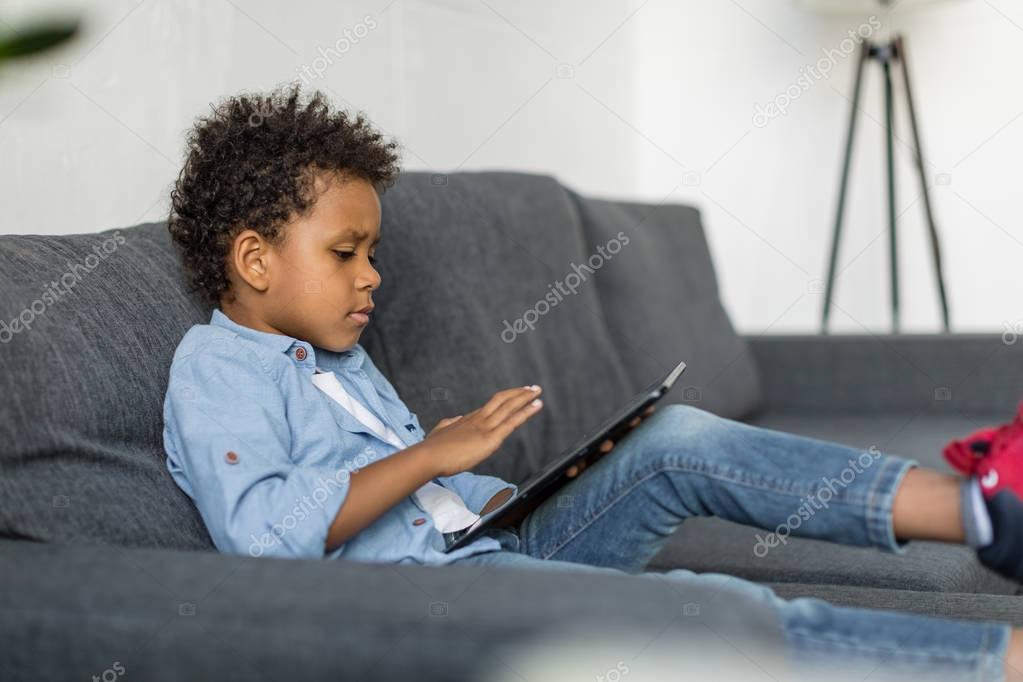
column 621, row 98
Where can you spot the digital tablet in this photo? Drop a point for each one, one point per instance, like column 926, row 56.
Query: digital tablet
column 550, row 479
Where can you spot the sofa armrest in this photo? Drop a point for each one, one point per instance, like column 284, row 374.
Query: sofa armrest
column 935, row 373
column 73, row 612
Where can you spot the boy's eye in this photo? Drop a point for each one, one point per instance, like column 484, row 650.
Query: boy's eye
column 345, row 255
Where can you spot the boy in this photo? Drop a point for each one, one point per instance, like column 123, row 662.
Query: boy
column 291, row 442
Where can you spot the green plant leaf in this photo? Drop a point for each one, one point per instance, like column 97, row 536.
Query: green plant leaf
column 36, row 38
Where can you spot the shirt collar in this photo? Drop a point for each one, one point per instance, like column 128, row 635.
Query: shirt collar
column 302, row 353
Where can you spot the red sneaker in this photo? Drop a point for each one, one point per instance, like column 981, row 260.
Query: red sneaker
column 994, row 455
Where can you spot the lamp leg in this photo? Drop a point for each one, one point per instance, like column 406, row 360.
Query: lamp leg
column 890, row 152
column 900, row 48
column 843, row 186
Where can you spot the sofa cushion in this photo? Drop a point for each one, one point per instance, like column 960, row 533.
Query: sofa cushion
column 984, row 607
column 84, row 374
column 172, row 615
column 715, row 545
column 919, row 436
column 660, row 296
column 707, row 544
column 465, row 309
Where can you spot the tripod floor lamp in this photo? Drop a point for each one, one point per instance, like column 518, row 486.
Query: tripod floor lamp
column 890, row 55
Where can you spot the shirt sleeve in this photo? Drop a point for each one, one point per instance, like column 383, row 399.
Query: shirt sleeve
column 227, row 434
column 475, row 489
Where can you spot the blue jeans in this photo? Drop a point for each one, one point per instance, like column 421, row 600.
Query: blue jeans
column 682, row 462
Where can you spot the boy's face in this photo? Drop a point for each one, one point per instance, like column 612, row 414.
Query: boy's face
column 309, row 286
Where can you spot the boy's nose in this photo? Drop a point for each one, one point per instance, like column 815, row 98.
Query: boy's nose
column 370, row 276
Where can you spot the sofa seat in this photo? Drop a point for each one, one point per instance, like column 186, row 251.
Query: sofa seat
column 982, row 607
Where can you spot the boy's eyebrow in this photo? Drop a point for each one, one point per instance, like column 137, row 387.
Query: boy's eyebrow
column 358, row 234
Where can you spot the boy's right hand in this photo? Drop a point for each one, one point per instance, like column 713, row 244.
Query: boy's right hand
column 466, row 440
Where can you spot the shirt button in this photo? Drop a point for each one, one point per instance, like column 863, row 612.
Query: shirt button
column 418, row 522
column 300, row 353
column 231, row 457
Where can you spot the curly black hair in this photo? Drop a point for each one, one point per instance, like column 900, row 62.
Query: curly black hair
column 253, row 162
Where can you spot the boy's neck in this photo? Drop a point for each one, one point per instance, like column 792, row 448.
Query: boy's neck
column 240, row 314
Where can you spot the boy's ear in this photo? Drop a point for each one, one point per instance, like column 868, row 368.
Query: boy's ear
column 250, row 258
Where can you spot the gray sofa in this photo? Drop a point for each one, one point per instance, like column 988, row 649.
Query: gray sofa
column 104, row 560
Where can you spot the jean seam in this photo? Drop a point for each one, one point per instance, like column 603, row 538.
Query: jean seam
column 713, row 471
column 997, row 651
column 813, row 637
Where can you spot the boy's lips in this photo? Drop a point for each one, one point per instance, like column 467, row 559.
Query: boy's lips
column 361, row 316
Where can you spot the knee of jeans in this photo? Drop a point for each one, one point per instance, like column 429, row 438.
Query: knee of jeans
column 688, row 429
column 687, row 417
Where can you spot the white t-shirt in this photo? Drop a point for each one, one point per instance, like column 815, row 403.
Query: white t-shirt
column 446, row 507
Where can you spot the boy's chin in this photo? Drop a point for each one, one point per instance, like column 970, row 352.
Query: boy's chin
column 345, row 342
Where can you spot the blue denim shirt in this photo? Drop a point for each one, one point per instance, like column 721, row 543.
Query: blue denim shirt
column 267, row 457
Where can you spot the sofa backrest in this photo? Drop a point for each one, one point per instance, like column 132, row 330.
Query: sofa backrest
column 88, row 327
column 485, row 287
column 661, row 301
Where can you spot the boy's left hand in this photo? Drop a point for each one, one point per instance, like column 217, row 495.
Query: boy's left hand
column 607, row 445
